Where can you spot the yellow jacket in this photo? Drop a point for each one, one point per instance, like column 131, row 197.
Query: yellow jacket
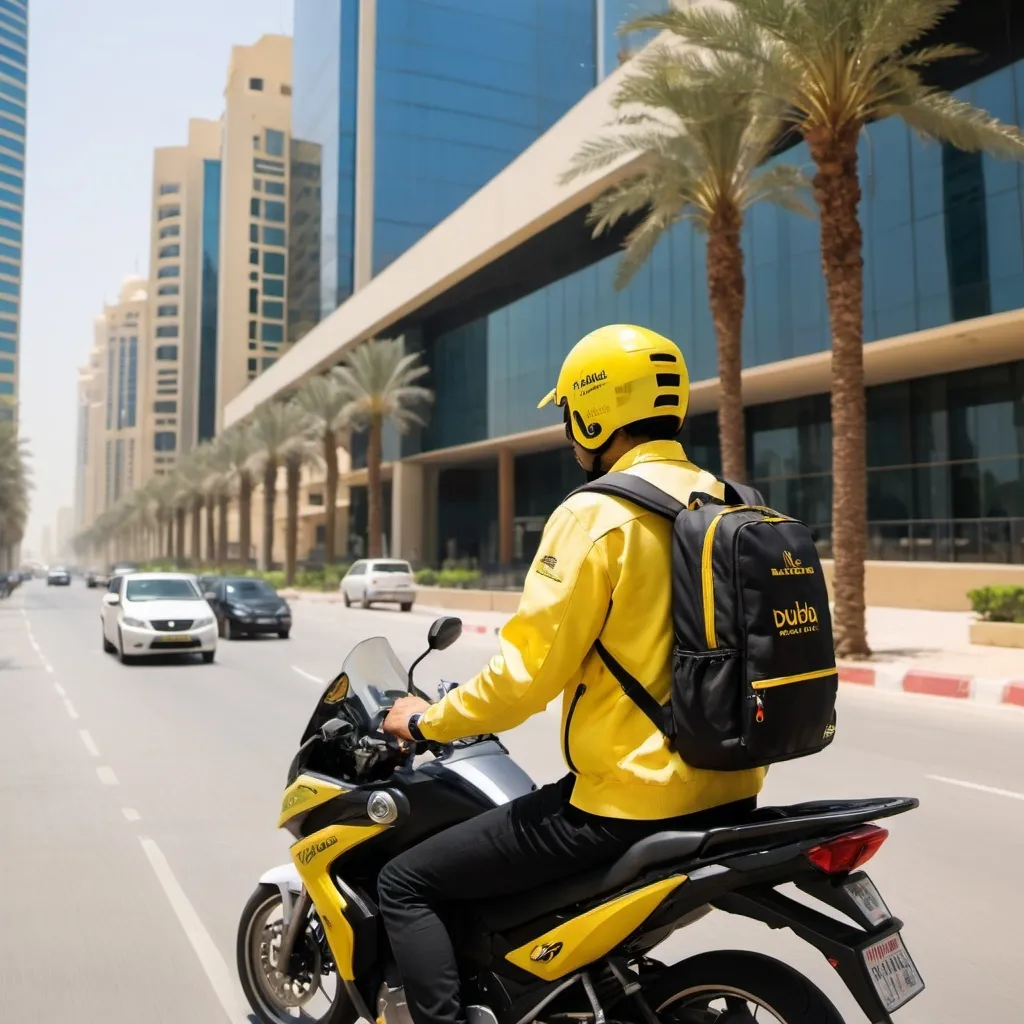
column 602, row 570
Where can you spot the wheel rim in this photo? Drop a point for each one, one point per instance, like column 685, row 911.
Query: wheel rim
column 283, row 998
column 712, row 1004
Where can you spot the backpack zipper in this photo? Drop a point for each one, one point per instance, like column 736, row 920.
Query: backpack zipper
column 580, row 690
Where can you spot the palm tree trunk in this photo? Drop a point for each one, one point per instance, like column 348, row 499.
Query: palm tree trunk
column 211, row 536
column 269, row 497
column 197, row 530
column 169, row 550
column 179, row 540
column 222, row 531
column 293, row 470
column 245, row 517
column 837, row 192
column 374, row 491
column 330, row 495
column 727, row 290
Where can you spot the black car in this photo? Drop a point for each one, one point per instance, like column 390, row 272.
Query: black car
column 245, row 606
column 58, row 577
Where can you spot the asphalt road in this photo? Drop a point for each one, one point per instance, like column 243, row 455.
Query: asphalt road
column 137, row 810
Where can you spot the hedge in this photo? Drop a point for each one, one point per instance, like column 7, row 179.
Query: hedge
column 999, row 604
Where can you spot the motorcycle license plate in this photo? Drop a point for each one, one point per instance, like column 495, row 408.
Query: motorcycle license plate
column 178, row 638
column 892, row 972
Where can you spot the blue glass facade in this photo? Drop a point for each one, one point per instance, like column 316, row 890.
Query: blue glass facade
column 943, row 242
column 616, row 49
column 207, row 413
column 462, row 88
column 13, row 83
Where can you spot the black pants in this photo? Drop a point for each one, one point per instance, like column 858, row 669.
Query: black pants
column 536, row 839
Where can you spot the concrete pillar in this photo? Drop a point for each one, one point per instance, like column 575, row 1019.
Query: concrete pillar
column 407, row 512
column 506, row 505
column 362, row 269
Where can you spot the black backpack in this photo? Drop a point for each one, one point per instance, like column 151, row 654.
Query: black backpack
column 754, row 675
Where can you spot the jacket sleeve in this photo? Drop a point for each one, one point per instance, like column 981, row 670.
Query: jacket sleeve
column 561, row 613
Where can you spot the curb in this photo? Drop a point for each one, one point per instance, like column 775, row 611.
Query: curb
column 935, row 684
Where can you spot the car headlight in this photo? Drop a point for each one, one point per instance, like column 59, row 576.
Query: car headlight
column 239, row 609
column 200, row 623
column 137, row 623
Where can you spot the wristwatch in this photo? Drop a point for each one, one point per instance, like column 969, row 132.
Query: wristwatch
column 414, row 729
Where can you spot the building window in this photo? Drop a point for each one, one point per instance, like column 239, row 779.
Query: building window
column 252, row 365
column 167, row 251
column 273, row 286
column 166, row 310
column 256, row 85
column 254, row 206
column 254, row 275
column 254, row 257
column 274, row 168
column 267, row 362
column 165, row 441
column 252, row 330
column 275, row 188
column 275, row 142
column 167, row 331
column 170, row 231
column 273, row 263
column 167, row 353
column 286, row 90
column 257, row 185
column 169, row 272
column 273, row 310
column 254, row 233
column 166, row 212
column 169, row 190
column 165, row 407
column 271, row 332
column 273, row 236
column 254, row 300
column 273, row 211
column 167, row 289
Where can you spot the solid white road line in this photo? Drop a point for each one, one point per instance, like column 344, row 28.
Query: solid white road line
column 131, row 814
column 994, row 790
column 210, row 959
column 306, row 675
column 61, row 692
column 48, row 667
column 70, row 708
column 106, row 775
column 90, row 744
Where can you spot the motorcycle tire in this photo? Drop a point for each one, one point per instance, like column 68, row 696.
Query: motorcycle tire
column 761, row 980
column 342, row 1012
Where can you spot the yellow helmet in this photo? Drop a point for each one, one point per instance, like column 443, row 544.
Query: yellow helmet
column 618, row 375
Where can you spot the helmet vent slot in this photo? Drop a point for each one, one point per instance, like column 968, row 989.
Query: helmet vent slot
column 663, row 357
column 668, row 380
column 662, row 400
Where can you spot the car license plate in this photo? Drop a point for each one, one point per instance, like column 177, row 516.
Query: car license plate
column 892, row 972
column 266, row 622
column 178, row 638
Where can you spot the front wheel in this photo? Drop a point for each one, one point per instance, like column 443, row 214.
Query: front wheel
column 309, row 986
column 740, row 987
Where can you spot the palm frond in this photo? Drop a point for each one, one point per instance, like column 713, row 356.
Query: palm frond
column 783, row 185
column 639, row 245
column 937, row 115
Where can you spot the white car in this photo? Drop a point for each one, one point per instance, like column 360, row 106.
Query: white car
column 157, row 613
column 379, row 580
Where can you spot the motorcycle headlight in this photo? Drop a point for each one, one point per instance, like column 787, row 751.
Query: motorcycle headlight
column 137, row 623
column 381, row 808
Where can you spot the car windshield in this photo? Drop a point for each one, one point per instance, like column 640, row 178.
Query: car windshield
column 162, row 590
column 250, row 588
column 391, row 567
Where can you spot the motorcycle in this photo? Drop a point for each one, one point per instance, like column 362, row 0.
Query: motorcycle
column 312, row 947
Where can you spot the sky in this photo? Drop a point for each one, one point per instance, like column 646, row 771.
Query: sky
column 108, row 82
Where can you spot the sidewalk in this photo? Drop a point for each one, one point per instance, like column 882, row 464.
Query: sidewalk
column 914, row 651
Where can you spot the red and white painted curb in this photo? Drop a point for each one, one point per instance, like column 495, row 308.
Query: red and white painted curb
column 901, row 679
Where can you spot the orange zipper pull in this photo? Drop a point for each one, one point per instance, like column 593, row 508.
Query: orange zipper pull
column 759, row 717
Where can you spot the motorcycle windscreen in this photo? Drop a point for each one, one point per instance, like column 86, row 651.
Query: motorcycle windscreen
column 370, row 681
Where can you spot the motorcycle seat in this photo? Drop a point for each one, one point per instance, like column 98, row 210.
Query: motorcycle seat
column 760, row 829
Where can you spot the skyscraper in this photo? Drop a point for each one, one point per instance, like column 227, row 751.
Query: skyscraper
column 13, row 84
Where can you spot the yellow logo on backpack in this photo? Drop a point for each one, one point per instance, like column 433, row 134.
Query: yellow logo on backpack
column 801, row 618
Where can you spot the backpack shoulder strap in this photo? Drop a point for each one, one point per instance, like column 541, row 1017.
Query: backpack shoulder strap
column 635, row 690
column 740, row 494
column 635, row 489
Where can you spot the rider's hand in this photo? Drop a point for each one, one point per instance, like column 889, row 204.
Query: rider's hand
column 397, row 721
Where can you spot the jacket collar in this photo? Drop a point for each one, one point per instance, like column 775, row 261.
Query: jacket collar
column 652, row 451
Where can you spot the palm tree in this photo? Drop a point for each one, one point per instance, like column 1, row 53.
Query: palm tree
column 325, row 401
column 701, row 149
column 238, row 446
column 191, row 477
column 835, row 66
column 280, row 434
column 379, row 378
column 220, row 470
column 15, row 483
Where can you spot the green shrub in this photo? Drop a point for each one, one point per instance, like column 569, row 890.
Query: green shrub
column 460, row 578
column 426, row 577
column 999, row 604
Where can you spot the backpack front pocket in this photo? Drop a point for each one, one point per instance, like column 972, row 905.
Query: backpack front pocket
column 706, row 713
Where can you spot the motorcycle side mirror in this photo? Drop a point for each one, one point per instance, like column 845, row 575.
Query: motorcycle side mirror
column 334, row 727
column 444, row 632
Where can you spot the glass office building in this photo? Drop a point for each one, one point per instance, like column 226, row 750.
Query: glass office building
column 13, row 86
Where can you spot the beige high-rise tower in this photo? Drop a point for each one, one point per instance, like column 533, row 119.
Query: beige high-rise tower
column 251, row 330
